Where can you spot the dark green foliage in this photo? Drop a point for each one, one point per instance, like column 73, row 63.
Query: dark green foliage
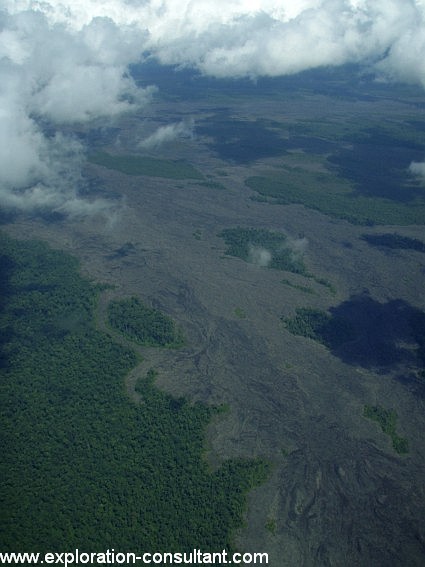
column 387, row 419
column 325, row 283
column 271, row 526
column 366, row 183
column 302, row 288
column 394, row 240
column 239, row 240
column 82, row 466
column 240, row 313
column 142, row 324
column 330, row 196
column 308, row 323
column 43, row 296
column 245, row 243
column 141, row 165
column 320, row 326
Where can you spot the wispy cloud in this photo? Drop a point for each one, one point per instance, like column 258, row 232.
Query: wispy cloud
column 169, row 133
column 259, row 256
column 418, row 169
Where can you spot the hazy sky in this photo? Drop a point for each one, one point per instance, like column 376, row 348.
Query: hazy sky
column 64, row 62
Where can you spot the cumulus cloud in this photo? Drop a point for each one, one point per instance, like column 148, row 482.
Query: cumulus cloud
column 44, row 175
column 64, row 61
column 418, row 169
column 51, row 76
column 245, row 37
column 271, row 37
column 169, row 133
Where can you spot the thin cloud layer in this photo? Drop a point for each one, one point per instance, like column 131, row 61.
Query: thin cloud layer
column 64, row 62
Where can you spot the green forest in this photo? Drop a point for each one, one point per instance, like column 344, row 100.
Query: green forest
column 387, row 419
column 82, row 466
column 320, row 326
column 143, row 165
column 331, row 196
column 142, row 324
column 242, row 242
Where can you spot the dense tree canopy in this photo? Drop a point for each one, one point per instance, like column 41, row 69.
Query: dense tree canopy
column 143, row 324
column 82, row 466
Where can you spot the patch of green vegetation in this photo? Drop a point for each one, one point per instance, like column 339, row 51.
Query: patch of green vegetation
column 302, row 288
column 387, row 419
column 82, row 466
column 325, row 283
column 264, row 248
column 308, row 323
column 271, row 526
column 320, row 326
column 142, row 165
column 142, row 324
column 402, row 130
column 240, row 313
column 334, row 196
column 394, row 241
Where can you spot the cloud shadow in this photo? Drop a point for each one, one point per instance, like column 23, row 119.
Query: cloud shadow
column 382, row 335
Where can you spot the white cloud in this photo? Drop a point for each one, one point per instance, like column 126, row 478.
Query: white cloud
column 100, row 92
column 64, row 61
column 169, row 133
column 21, row 145
column 50, row 75
column 41, row 174
column 418, row 168
column 259, row 256
column 271, row 37
column 246, row 37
